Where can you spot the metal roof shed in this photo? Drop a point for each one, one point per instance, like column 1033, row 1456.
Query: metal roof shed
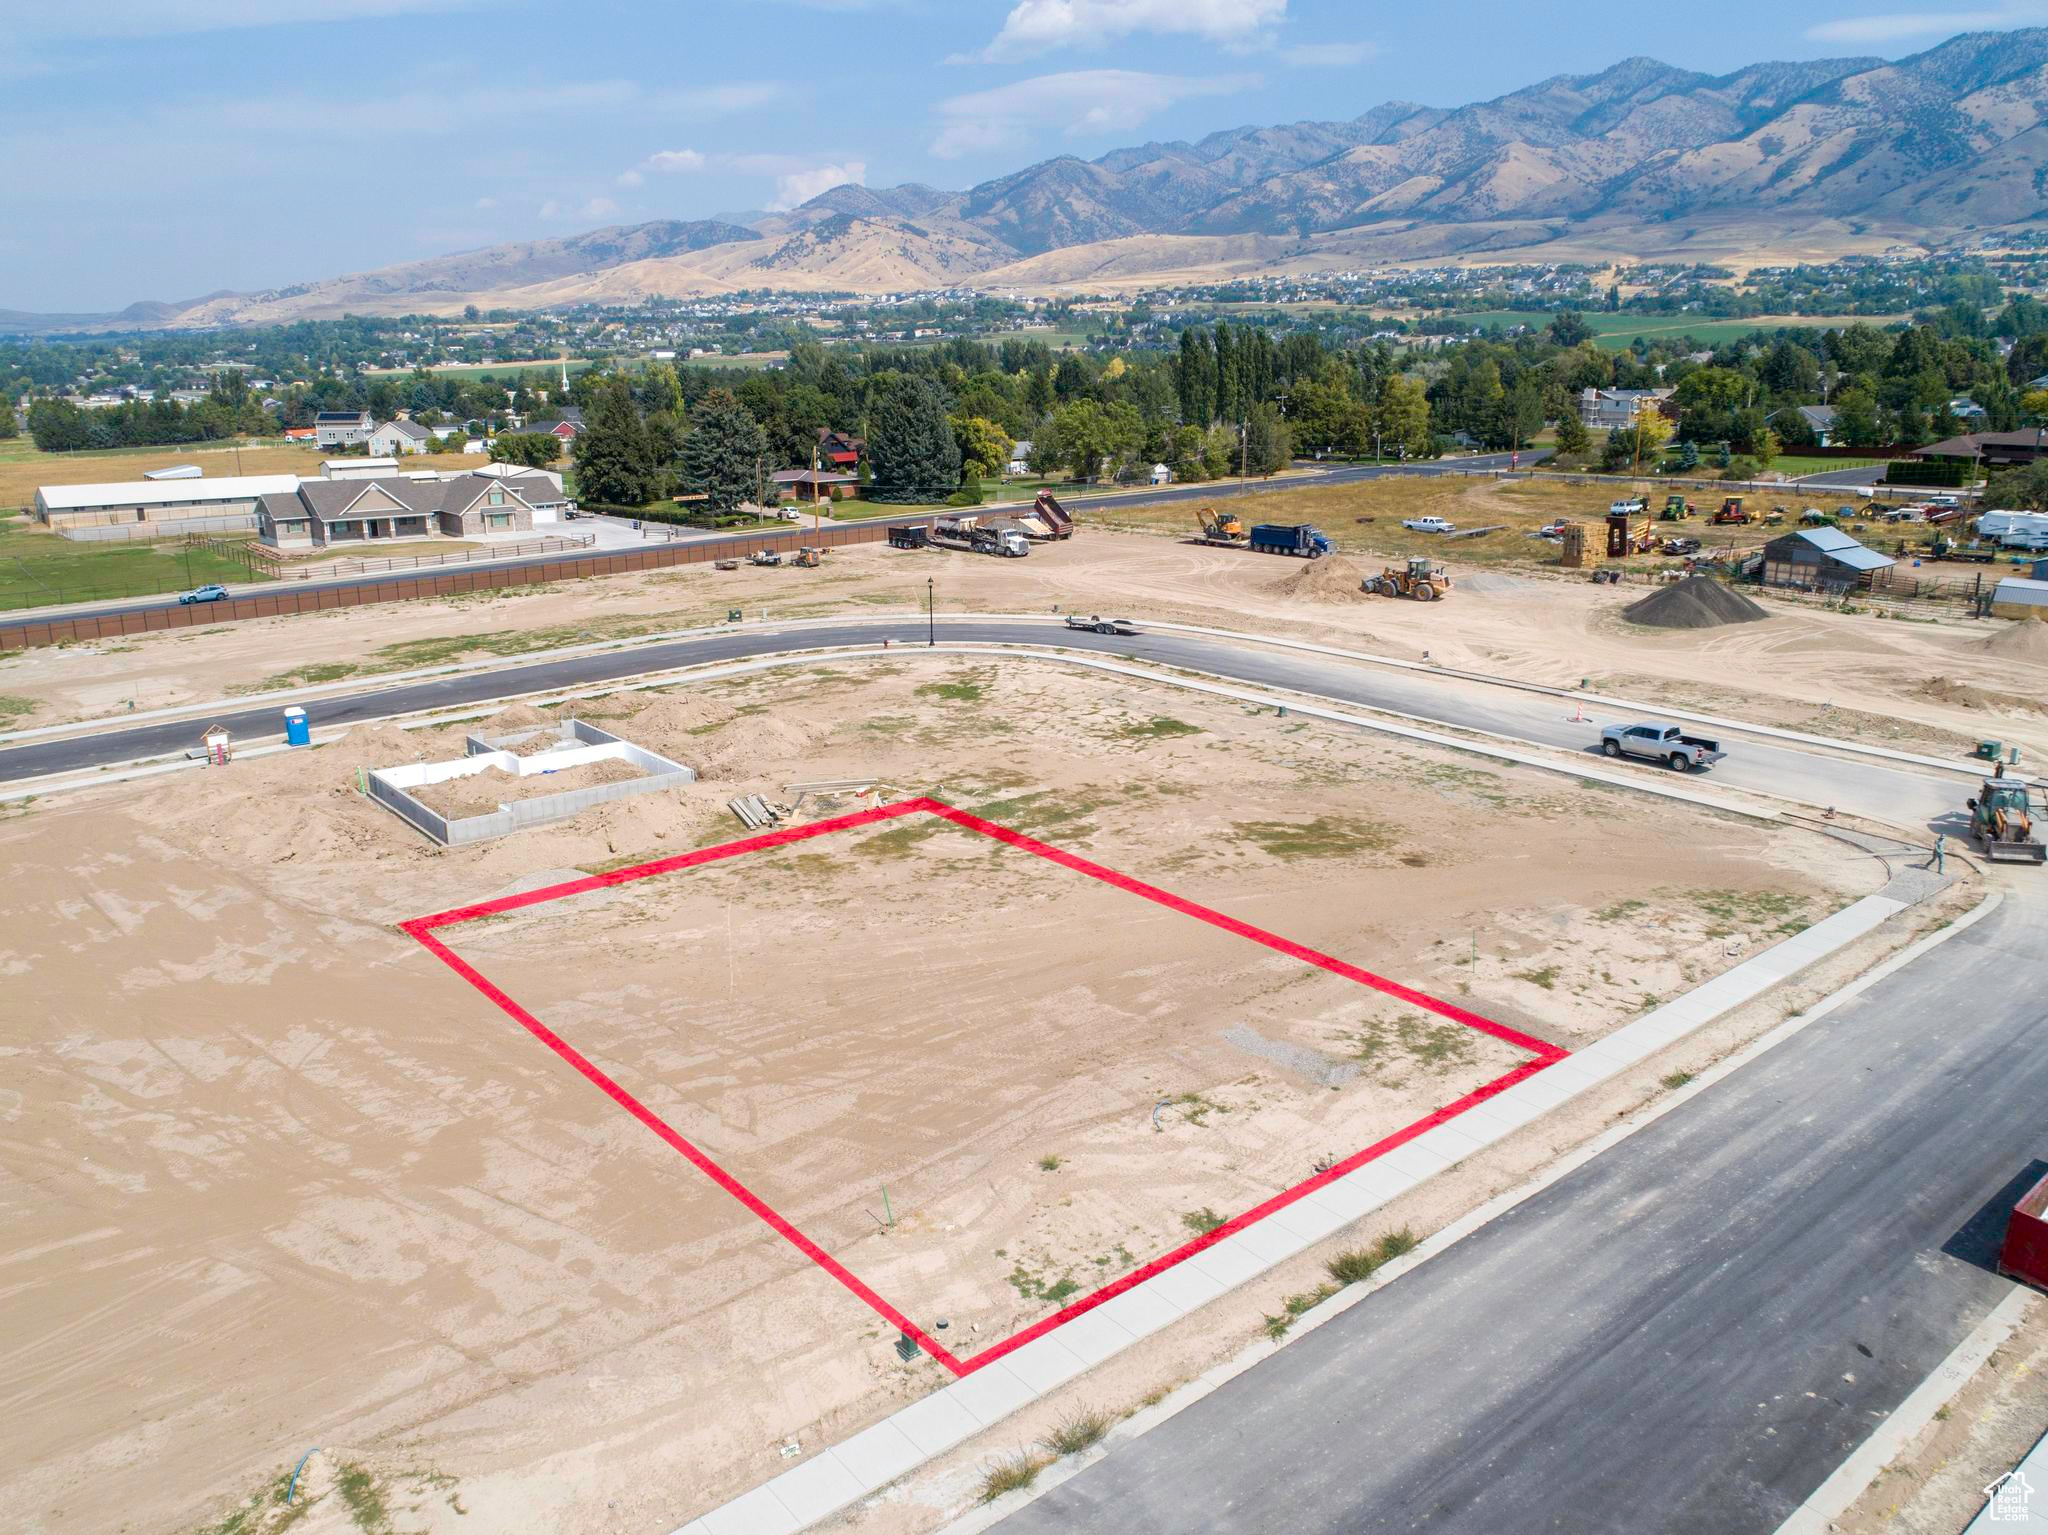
column 2016, row 597
column 1820, row 557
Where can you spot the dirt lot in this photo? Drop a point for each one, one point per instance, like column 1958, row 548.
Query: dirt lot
column 279, row 1179
column 1870, row 678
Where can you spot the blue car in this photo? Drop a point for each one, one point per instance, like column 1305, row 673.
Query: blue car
column 213, row 591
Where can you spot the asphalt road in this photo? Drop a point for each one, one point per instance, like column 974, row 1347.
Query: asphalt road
column 1688, row 1334
column 1846, row 479
column 537, row 569
column 1888, row 793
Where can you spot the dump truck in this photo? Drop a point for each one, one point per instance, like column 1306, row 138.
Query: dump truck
column 2002, row 821
column 1048, row 510
column 966, row 533
column 1731, row 513
column 919, row 537
column 1296, row 538
column 1417, row 579
column 1661, row 743
column 1224, row 528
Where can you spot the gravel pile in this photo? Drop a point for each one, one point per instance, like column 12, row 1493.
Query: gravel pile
column 1697, row 602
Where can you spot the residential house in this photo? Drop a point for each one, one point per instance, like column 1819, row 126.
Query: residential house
column 1161, row 475
column 1824, row 558
column 840, row 450
column 810, row 485
column 1612, row 409
column 1818, row 419
column 1020, row 457
column 323, row 513
column 567, row 424
column 1993, row 449
column 396, row 438
column 1963, row 408
column 358, row 468
column 342, row 428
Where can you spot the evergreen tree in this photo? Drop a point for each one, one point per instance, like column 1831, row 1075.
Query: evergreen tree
column 614, row 459
column 1266, row 446
column 1226, row 374
column 910, row 442
column 1571, row 432
column 722, row 454
column 1193, row 378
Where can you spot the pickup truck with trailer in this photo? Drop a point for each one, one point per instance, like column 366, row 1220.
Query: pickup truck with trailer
column 1661, row 743
column 1297, row 538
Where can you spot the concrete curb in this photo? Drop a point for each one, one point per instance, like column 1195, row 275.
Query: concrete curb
column 1832, row 1498
column 843, row 1474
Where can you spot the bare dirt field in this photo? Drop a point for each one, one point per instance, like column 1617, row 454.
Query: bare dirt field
column 1927, row 686
column 278, row 1178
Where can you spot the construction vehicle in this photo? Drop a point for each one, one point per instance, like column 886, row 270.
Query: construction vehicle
column 764, row 557
column 809, row 557
column 967, row 533
column 1732, row 513
column 2002, row 821
column 1048, row 511
column 1296, row 538
column 1419, row 580
column 910, row 538
column 1225, row 528
column 1676, row 509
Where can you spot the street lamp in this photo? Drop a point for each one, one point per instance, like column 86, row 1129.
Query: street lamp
column 931, row 622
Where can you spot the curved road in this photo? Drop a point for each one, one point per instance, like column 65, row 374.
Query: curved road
column 538, row 569
column 1898, row 795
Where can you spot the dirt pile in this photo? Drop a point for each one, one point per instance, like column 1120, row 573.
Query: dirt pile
column 1329, row 579
column 1698, row 602
column 2026, row 641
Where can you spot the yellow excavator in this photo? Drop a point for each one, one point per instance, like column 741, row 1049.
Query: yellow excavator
column 1222, row 527
column 2002, row 821
column 1418, row 579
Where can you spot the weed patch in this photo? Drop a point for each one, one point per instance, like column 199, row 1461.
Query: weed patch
column 1201, row 1222
column 1328, row 836
column 1013, row 1473
column 1081, row 1430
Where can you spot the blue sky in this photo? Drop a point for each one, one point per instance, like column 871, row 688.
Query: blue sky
column 167, row 148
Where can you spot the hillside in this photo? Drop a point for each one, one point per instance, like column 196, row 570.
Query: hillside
column 1642, row 160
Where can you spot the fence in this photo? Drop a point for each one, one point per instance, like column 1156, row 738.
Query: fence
column 57, row 629
column 156, row 532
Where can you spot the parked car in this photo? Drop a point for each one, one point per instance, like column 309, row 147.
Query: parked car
column 1429, row 525
column 1661, row 743
column 213, row 591
column 1553, row 529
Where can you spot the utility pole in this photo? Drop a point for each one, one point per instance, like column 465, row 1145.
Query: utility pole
column 931, row 622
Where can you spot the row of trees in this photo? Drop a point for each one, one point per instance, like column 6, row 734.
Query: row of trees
column 229, row 410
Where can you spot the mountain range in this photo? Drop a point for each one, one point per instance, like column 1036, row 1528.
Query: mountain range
column 1641, row 161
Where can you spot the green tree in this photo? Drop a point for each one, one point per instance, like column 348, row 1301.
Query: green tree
column 1401, row 417
column 1856, row 419
column 1266, row 443
column 984, row 446
column 534, row 450
column 722, row 454
column 2024, row 489
column 1090, row 438
column 1569, row 329
column 614, row 459
column 1571, row 432
column 659, row 390
column 910, row 442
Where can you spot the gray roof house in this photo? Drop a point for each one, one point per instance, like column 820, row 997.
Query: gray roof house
column 321, row 513
column 398, row 437
column 1819, row 419
column 1821, row 557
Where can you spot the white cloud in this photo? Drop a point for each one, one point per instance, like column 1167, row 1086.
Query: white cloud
column 1901, row 26
column 598, row 208
column 629, row 178
column 1037, row 26
column 1327, row 55
column 676, row 160
column 1088, row 101
column 801, row 186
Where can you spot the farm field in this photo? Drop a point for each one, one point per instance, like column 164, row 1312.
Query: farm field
column 337, row 1197
column 1615, row 331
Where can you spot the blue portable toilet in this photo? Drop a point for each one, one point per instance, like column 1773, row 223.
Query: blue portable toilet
column 297, row 730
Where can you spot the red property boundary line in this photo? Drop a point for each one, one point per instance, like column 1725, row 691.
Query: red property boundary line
column 1541, row 1054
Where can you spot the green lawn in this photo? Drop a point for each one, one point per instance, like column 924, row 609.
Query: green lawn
column 1797, row 464
column 37, row 568
column 1616, row 331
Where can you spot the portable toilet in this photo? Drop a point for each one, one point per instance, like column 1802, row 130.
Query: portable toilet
column 297, row 730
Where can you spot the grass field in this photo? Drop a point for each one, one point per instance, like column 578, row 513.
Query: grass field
column 1615, row 331
column 37, row 568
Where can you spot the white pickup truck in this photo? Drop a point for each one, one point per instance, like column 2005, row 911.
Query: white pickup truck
column 1429, row 524
column 1661, row 743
